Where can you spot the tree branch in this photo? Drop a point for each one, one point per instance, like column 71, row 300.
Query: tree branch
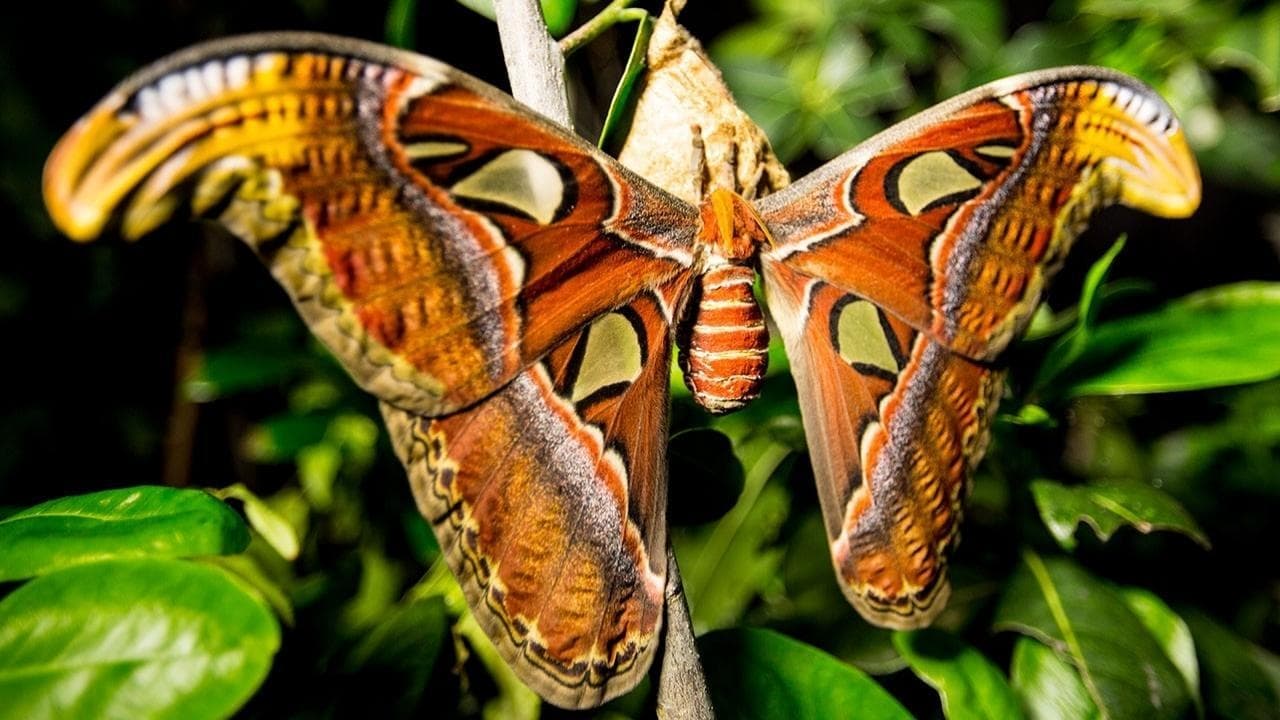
column 535, row 66
column 682, row 687
column 534, row 63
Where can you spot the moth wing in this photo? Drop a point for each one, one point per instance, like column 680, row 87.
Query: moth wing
column 549, row 502
column 899, row 270
column 955, row 219
column 895, row 423
column 437, row 236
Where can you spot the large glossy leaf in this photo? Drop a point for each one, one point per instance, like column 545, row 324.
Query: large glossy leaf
column 971, row 687
column 755, row 673
column 146, row 638
column 1048, row 686
column 1234, row 672
column 1087, row 623
column 1106, row 507
column 130, row 522
column 1222, row 336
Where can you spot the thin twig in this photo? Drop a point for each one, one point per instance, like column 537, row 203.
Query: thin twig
column 180, row 431
column 606, row 18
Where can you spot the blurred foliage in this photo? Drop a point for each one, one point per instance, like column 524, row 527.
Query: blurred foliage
column 1130, row 620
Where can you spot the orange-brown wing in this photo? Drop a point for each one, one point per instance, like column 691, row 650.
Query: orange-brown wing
column 549, row 501
column 437, row 236
column 895, row 422
column 953, row 220
column 900, row 269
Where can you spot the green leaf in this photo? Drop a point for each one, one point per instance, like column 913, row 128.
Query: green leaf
column 1031, row 415
column 400, row 28
column 419, row 536
column 146, row 638
column 242, row 368
column 246, row 568
column 273, row 528
column 971, row 687
column 357, row 436
column 380, row 583
column 1252, row 43
column 1087, row 623
column 729, row 563
column 1245, row 438
column 318, row 467
column 558, row 14
column 1049, row 687
column 282, row 438
column 755, row 673
column 1090, row 292
column 514, row 700
column 1170, row 631
column 624, row 97
column 1234, row 674
column 1248, row 155
column 1071, row 345
column 1222, row 336
column 1106, row 507
column 129, row 522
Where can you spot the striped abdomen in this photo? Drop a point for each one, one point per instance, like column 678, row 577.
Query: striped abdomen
column 724, row 345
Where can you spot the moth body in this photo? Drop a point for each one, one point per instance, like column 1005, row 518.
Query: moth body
column 724, row 343
column 724, row 353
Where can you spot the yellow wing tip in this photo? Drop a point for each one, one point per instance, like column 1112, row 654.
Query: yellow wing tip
column 79, row 221
column 1174, row 188
column 71, row 204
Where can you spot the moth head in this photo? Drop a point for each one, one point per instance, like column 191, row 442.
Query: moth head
column 730, row 225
